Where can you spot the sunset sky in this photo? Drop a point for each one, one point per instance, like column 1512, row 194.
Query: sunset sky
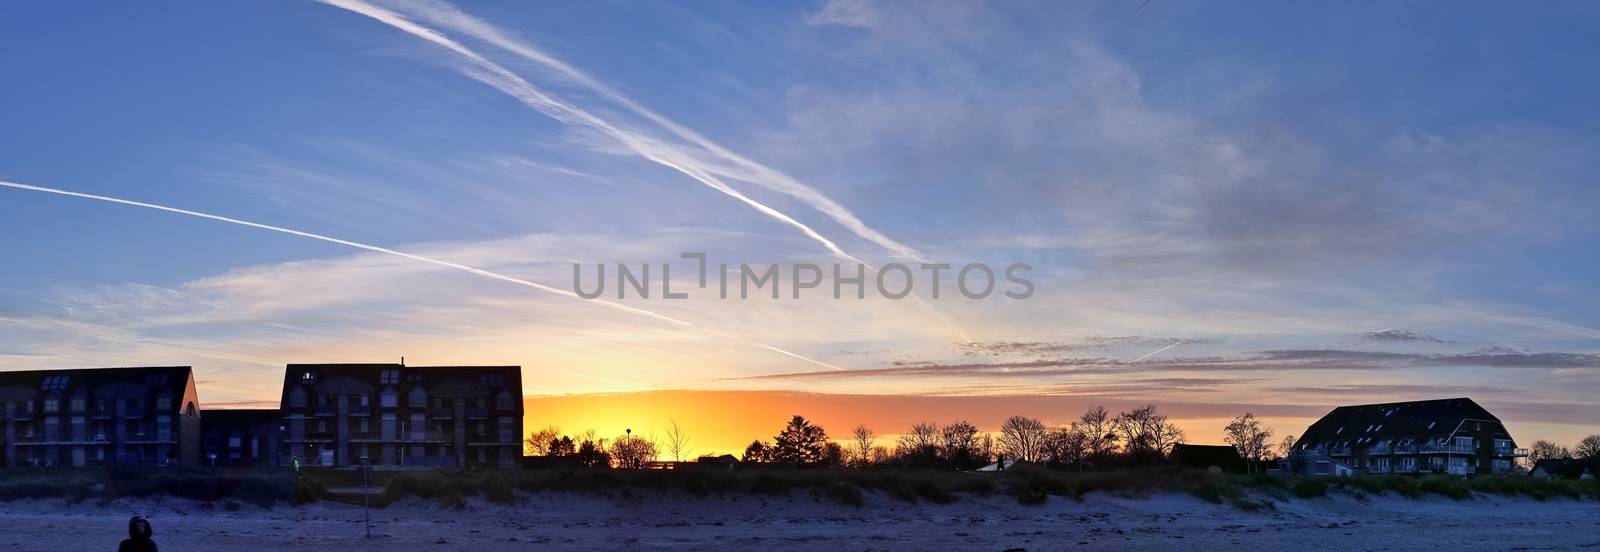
column 1227, row 206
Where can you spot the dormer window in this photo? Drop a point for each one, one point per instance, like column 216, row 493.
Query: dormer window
column 493, row 380
column 389, row 376
column 310, row 376
column 55, row 383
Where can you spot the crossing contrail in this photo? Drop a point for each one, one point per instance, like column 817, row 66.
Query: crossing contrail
column 488, row 72
column 448, row 16
column 414, row 257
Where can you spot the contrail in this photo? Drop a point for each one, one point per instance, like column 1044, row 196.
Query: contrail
column 488, row 72
column 483, row 70
column 1157, row 351
column 450, row 17
column 330, row 239
column 414, row 257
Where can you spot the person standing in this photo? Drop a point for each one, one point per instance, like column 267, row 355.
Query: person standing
column 138, row 537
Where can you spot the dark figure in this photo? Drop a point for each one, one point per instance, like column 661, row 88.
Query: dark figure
column 138, row 537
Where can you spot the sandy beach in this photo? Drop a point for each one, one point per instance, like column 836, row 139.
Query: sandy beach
column 571, row 522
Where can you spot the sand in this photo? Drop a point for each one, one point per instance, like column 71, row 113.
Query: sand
column 571, row 522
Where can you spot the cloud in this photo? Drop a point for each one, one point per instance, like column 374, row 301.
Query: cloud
column 1268, row 361
column 1400, row 336
column 848, row 13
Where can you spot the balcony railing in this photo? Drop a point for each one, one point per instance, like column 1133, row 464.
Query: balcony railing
column 477, row 412
column 1503, row 451
column 1450, row 449
column 1339, row 452
column 102, row 413
column 132, row 412
column 21, row 414
column 325, row 410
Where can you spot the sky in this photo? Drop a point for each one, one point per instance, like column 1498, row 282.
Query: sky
column 1226, row 206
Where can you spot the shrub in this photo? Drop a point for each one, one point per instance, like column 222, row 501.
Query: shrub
column 844, row 493
column 1309, row 488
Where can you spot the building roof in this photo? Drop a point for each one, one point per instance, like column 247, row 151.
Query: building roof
column 1402, row 422
column 1205, row 456
column 1571, row 468
column 100, row 383
column 366, row 378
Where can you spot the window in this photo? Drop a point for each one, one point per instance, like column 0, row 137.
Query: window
column 310, row 376
column 508, row 434
column 503, row 401
column 1379, row 428
column 389, row 375
column 389, row 399
column 55, row 383
column 297, row 397
column 155, row 380
column 493, row 380
column 52, row 405
column 164, row 402
column 418, row 398
column 79, row 404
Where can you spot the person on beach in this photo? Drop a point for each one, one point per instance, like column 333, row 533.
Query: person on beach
column 138, row 537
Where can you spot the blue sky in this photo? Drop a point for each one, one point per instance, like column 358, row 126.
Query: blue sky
column 1244, row 180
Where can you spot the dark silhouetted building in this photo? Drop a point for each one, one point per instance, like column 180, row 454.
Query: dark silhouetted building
column 398, row 415
column 243, row 437
column 1452, row 436
column 100, row 416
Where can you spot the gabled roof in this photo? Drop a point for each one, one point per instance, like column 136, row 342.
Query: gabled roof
column 1416, row 421
column 104, row 382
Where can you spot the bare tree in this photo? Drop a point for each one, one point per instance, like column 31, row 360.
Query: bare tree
column 632, row 452
column 1099, row 434
column 1287, row 446
column 539, row 442
column 1022, row 438
column 677, row 442
column 1546, row 450
column 1249, row 438
column 1146, row 434
column 1066, row 447
column 920, row 445
column 862, row 447
column 960, row 443
column 1588, row 448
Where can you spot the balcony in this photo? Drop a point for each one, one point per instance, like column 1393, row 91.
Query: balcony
column 444, row 413
column 1510, row 452
column 1339, row 451
column 477, row 412
column 1448, row 449
column 102, row 413
column 324, row 410
column 21, row 414
column 360, row 410
column 132, row 412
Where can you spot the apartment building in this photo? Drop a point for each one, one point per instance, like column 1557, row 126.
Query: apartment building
column 103, row 416
column 398, row 415
column 1449, row 436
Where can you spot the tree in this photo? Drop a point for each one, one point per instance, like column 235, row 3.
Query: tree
column 1546, row 450
column 1022, row 438
column 1099, row 435
column 1249, row 438
column 919, row 446
column 960, row 443
column 677, row 442
column 832, row 454
column 1146, row 434
column 757, row 452
column 1066, row 447
column 799, row 443
column 562, row 446
column 592, row 453
column 539, row 441
column 632, row 452
column 1588, row 448
column 1286, row 447
column 861, row 448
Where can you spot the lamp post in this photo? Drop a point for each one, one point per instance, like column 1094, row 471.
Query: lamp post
column 366, row 497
